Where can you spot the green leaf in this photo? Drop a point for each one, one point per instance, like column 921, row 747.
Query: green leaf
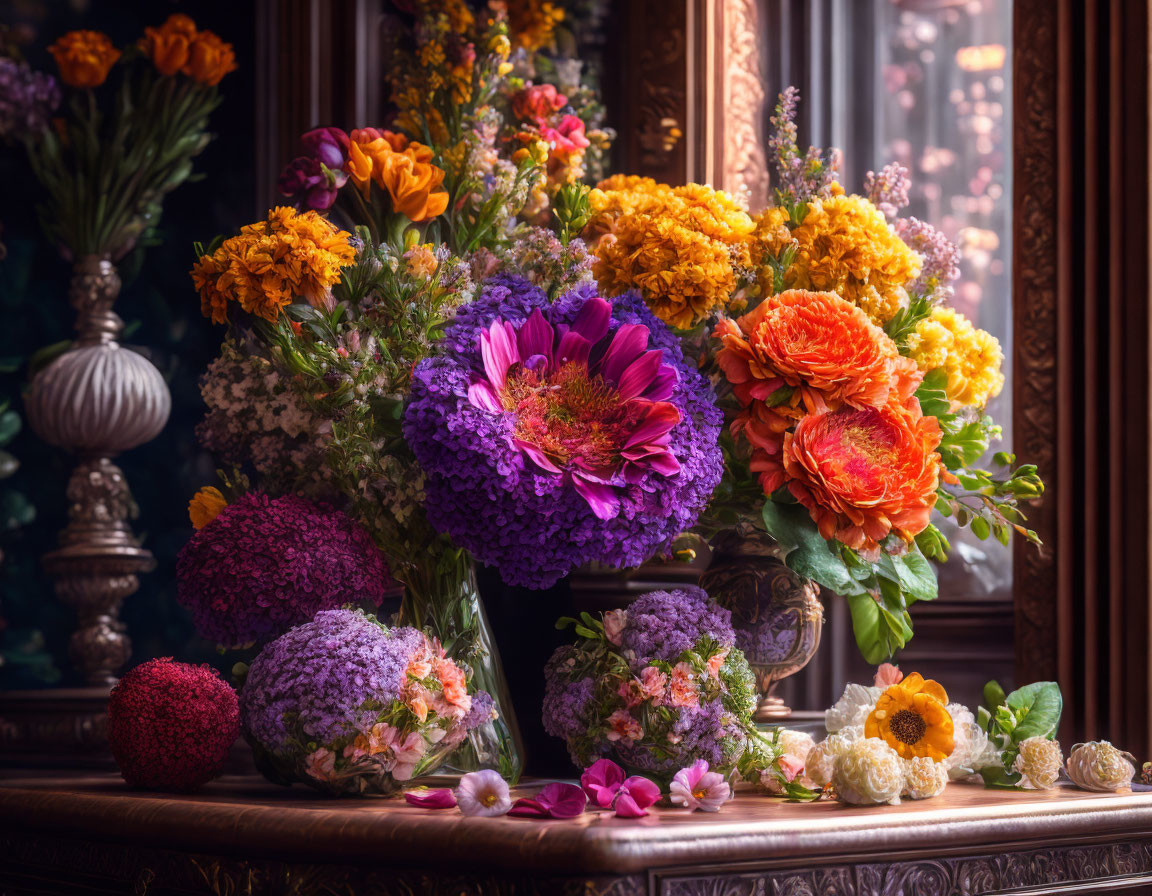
column 879, row 631
column 933, row 400
column 997, row 778
column 994, row 696
column 807, row 552
column 1037, row 709
column 9, row 426
column 917, row 576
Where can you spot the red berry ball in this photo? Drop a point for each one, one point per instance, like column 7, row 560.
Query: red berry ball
column 171, row 725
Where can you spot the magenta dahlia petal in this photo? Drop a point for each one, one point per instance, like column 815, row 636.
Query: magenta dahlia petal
column 663, row 384
column 498, row 350
column 630, row 340
column 661, row 417
column 484, row 396
column 603, row 500
column 526, row 807
column 601, row 780
column 573, row 348
column 592, row 320
column 639, row 374
column 535, row 337
column 537, row 456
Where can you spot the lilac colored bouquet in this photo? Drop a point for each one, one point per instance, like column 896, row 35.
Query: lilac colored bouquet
column 556, row 433
column 347, row 705
column 27, row 100
column 656, row 687
column 264, row 564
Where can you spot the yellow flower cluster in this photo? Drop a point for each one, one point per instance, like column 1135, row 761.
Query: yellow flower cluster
column 681, row 247
column 533, row 23
column 272, row 263
column 845, row 245
column 971, row 357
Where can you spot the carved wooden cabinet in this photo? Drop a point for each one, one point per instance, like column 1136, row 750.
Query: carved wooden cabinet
column 242, row 836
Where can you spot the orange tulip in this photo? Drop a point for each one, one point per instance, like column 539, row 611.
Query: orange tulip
column 84, row 58
column 415, row 186
column 209, row 59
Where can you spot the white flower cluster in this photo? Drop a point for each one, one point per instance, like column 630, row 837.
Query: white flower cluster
column 972, row 751
column 254, row 418
column 1039, row 763
column 866, row 771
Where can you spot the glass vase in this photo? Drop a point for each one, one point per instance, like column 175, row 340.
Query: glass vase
column 441, row 597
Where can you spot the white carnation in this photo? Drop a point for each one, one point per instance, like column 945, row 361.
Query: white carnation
column 869, row 772
column 853, row 707
column 924, row 778
column 796, row 743
column 821, row 761
column 972, row 750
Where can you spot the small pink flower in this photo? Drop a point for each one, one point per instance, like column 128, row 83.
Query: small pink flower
column 716, row 661
column 321, row 765
column 635, row 796
column 406, row 755
column 887, row 675
column 684, row 691
column 601, row 780
column 420, row 666
column 624, row 727
column 614, row 623
column 483, row 793
column 654, row 684
column 430, row 799
column 791, row 766
column 697, row 788
column 630, row 691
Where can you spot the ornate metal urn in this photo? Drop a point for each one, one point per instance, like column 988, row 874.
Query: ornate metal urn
column 776, row 613
column 97, row 400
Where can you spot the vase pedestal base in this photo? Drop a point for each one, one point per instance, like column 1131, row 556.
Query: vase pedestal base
column 772, row 710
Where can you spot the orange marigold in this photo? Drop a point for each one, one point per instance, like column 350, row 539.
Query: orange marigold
column 167, row 46
column 865, row 472
column 209, row 59
column 271, row 264
column 84, row 58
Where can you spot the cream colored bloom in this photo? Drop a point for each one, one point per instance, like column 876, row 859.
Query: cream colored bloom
column 853, row 707
column 972, row 751
column 796, row 743
column 869, row 772
column 821, row 761
column 924, row 778
column 1039, row 763
column 796, row 746
column 1100, row 766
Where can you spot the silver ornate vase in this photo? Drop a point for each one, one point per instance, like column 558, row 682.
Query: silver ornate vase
column 97, row 400
column 777, row 614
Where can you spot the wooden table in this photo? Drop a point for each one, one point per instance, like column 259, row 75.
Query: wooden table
column 90, row 833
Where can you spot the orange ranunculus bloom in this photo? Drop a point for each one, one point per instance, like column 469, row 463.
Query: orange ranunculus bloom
column 84, row 58
column 398, row 142
column 865, row 472
column 167, row 46
column 205, row 506
column 209, row 59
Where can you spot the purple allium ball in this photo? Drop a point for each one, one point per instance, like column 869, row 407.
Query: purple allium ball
column 330, row 676
column 265, row 564
column 663, row 624
column 485, row 490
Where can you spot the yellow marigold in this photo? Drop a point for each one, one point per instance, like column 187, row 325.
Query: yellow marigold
column 205, row 506
column 682, row 274
column 912, row 718
column 845, row 245
column 714, row 213
column 533, row 22
column 971, row 357
column 271, row 264
column 609, row 204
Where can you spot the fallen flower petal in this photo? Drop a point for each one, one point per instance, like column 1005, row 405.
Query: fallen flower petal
column 562, row 800
column 636, row 795
column 430, row 799
column 528, row 808
column 601, row 780
column 483, row 793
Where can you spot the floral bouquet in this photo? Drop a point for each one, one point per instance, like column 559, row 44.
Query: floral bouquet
column 658, row 687
column 854, row 395
column 348, row 705
column 117, row 151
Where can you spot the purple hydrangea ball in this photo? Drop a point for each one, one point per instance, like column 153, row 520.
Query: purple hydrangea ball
column 663, row 624
column 265, row 564
column 331, row 676
column 485, row 492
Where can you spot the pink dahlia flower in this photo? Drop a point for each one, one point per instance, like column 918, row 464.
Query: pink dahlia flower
column 590, row 406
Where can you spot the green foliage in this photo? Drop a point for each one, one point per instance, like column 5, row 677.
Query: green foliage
column 571, row 210
column 903, row 324
column 878, row 593
column 1010, row 719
